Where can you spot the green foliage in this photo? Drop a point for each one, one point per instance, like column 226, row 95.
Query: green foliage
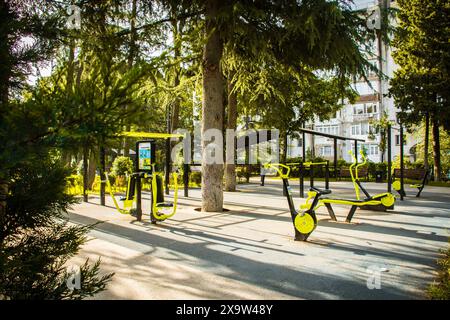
column 440, row 289
column 342, row 163
column 421, row 84
column 381, row 126
column 122, row 166
column 37, row 241
column 195, row 177
column 445, row 148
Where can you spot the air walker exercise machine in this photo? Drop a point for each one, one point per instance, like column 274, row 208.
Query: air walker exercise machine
column 146, row 170
column 387, row 199
column 304, row 221
column 378, row 202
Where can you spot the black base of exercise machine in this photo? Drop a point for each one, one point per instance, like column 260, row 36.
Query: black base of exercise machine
column 352, row 210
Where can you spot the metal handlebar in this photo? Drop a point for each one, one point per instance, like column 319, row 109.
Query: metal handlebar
column 277, row 166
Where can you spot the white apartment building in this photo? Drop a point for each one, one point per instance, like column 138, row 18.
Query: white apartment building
column 353, row 120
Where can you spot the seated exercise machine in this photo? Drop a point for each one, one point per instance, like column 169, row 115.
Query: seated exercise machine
column 382, row 201
column 304, row 221
column 146, row 170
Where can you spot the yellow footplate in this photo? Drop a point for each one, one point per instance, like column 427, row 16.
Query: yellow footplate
column 304, row 223
column 388, row 200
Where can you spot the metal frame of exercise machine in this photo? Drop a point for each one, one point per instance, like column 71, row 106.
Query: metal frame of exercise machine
column 383, row 200
column 305, row 222
column 145, row 169
column 387, row 199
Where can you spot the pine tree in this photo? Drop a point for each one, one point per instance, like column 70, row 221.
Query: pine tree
column 321, row 34
column 36, row 241
column 421, row 86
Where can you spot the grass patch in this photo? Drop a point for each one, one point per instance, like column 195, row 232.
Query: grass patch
column 440, row 288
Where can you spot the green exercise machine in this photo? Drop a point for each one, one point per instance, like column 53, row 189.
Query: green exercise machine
column 304, row 221
column 378, row 202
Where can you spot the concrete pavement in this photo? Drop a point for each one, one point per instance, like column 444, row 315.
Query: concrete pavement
column 249, row 252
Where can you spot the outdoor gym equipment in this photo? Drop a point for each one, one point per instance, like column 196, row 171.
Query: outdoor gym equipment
column 304, row 221
column 387, row 199
column 381, row 201
column 146, row 169
column 129, row 199
column 310, row 165
column 410, row 173
column 159, row 207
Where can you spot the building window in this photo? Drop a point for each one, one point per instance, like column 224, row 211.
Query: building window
column 373, row 150
column 365, row 109
column 328, row 129
column 325, row 151
column 356, row 129
column 364, row 128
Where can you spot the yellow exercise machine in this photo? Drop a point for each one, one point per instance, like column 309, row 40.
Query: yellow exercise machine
column 162, row 210
column 381, row 201
column 128, row 200
column 387, row 199
column 145, row 168
column 304, row 221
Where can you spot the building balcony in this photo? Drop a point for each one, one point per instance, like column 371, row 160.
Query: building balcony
column 365, row 117
column 368, row 98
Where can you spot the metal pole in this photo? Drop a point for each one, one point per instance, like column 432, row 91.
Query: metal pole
column 167, row 173
column 389, row 156
column 139, row 197
column 356, row 150
column 167, row 169
column 102, row 175
column 402, row 165
column 186, row 179
column 304, row 146
column 85, row 172
column 302, row 181
column 327, row 175
column 335, row 158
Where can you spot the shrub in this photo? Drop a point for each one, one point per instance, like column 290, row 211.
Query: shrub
column 195, row 177
column 440, row 289
column 121, row 166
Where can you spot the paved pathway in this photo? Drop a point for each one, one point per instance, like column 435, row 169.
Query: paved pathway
column 248, row 252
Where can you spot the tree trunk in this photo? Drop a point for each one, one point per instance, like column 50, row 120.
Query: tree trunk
column 230, row 168
column 285, row 147
column 5, row 77
column 436, row 149
column 426, row 142
column 92, row 168
column 85, row 173
column 102, row 175
column 71, row 67
column 130, row 62
column 212, row 108
column 4, row 189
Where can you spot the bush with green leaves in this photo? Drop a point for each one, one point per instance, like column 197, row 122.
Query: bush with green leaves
column 36, row 240
column 440, row 289
column 195, row 177
column 122, row 166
